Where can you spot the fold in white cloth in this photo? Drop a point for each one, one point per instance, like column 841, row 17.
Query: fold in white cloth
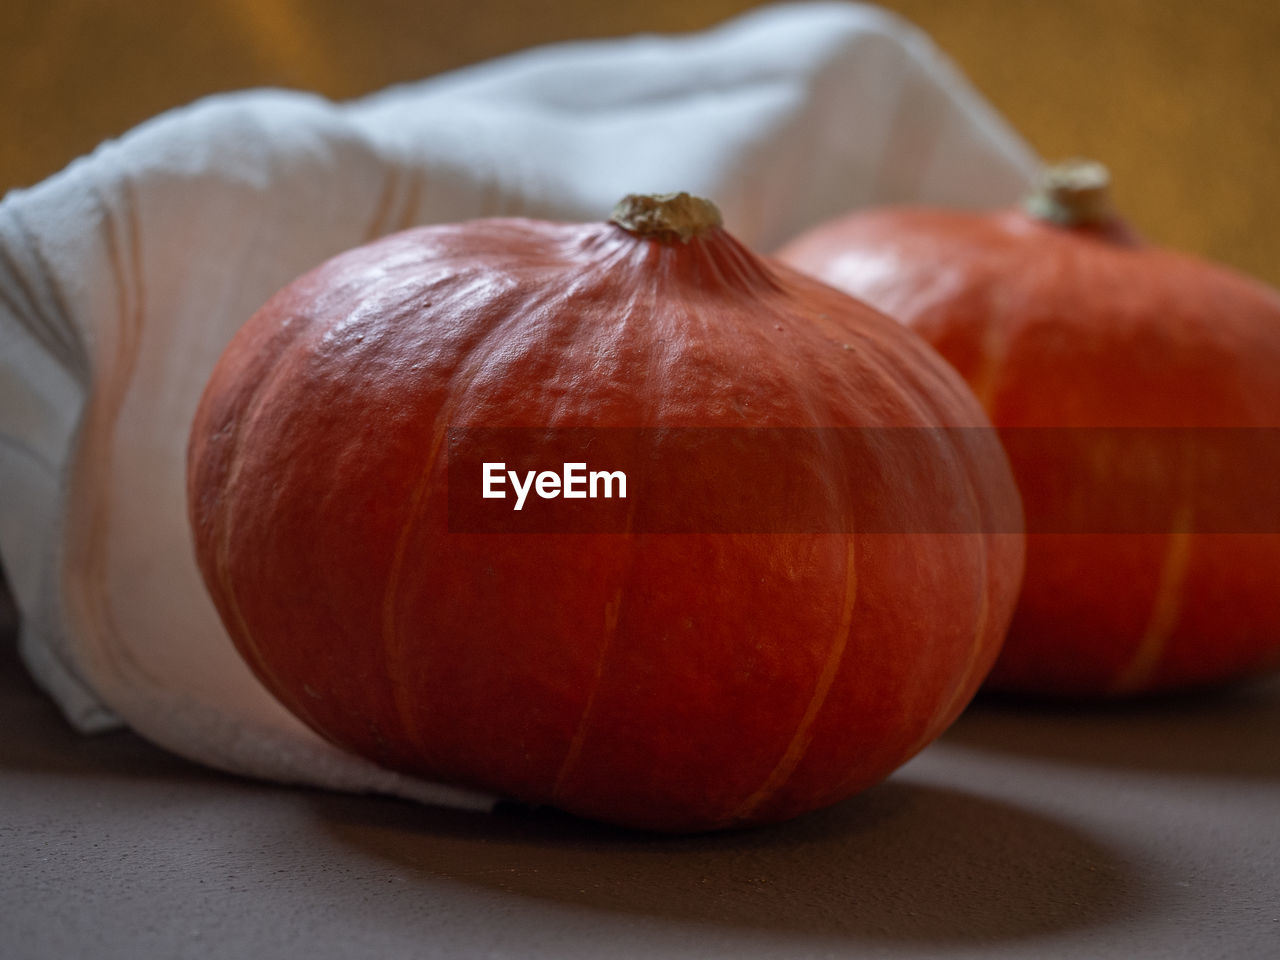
column 122, row 278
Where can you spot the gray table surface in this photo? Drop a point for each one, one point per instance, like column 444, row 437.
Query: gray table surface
column 1149, row 830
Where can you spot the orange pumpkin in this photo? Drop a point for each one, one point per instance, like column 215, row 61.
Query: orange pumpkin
column 673, row 681
column 1136, row 389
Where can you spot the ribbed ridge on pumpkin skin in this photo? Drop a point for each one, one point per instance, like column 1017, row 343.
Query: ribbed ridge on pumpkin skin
column 1000, row 572
column 1002, row 556
column 392, row 649
column 801, row 738
column 312, row 342
column 611, row 610
column 933, row 394
column 214, row 463
column 1165, row 607
column 490, row 329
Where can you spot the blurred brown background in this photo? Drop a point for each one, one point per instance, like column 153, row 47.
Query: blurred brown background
column 1180, row 97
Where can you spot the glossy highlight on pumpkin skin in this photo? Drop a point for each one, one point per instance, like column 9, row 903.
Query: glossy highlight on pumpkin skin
column 1077, row 327
column 672, row 682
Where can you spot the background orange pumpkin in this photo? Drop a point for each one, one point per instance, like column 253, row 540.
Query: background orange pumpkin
column 667, row 681
column 1143, row 569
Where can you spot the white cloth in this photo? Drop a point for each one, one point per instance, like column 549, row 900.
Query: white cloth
column 122, row 278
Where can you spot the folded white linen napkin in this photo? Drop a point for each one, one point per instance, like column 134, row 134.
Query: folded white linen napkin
column 122, row 278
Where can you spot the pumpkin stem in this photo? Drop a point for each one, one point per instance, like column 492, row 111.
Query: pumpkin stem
column 1076, row 193
column 666, row 216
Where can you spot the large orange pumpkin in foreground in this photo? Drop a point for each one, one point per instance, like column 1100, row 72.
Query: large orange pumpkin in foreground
column 668, row 680
column 1138, row 392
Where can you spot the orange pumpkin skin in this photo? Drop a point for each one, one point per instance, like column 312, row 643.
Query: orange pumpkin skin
column 1085, row 327
column 661, row 681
